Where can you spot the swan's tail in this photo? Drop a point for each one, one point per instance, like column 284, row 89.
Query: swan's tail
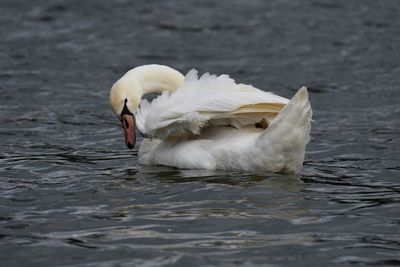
column 287, row 135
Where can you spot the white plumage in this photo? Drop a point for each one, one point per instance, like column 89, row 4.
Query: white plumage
column 210, row 123
column 199, row 102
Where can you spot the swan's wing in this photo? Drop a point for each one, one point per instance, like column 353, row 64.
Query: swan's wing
column 204, row 101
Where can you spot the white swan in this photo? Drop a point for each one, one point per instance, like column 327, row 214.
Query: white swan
column 211, row 122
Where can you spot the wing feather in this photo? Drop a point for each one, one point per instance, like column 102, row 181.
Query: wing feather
column 201, row 102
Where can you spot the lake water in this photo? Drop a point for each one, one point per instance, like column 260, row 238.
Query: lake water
column 71, row 194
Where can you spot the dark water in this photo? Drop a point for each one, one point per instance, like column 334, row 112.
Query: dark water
column 72, row 195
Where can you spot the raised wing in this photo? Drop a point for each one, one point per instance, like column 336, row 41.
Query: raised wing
column 201, row 102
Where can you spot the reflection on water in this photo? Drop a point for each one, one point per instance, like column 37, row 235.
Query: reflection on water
column 72, row 195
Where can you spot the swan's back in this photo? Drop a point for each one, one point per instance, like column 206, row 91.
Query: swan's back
column 279, row 148
column 201, row 102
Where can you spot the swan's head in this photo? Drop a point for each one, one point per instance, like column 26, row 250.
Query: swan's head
column 125, row 96
column 127, row 92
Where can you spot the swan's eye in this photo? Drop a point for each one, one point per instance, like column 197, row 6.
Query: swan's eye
column 125, row 110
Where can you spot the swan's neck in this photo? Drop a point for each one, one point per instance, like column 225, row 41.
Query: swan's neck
column 156, row 78
column 129, row 90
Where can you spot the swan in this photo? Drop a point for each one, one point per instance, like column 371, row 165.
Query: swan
column 211, row 122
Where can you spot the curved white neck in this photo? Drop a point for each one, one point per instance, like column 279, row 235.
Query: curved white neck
column 156, row 78
column 140, row 81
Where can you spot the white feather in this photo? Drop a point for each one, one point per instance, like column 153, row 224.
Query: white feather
column 201, row 102
column 279, row 148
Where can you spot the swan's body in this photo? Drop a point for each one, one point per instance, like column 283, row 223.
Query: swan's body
column 213, row 123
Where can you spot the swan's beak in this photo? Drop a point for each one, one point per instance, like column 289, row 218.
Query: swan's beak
column 128, row 123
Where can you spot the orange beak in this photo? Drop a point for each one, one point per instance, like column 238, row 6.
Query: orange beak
column 128, row 123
